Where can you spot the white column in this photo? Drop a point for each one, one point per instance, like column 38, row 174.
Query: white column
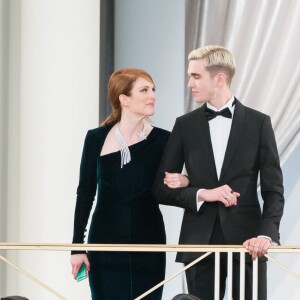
column 11, row 131
column 58, row 103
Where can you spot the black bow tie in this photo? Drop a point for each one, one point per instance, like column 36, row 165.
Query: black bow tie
column 210, row 114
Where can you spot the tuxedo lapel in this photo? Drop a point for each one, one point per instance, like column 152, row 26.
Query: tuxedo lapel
column 206, row 145
column 234, row 137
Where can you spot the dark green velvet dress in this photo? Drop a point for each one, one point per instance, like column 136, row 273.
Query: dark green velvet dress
column 125, row 213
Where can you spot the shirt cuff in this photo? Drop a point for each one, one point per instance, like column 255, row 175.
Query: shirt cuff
column 267, row 237
column 199, row 203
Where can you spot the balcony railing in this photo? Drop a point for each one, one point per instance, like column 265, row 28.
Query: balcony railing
column 207, row 249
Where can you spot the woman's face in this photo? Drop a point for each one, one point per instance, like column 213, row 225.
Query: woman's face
column 142, row 98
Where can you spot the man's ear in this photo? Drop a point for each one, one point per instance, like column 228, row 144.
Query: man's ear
column 123, row 100
column 221, row 79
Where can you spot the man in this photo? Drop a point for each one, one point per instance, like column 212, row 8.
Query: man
column 224, row 146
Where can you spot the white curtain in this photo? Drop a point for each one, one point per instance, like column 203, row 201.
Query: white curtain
column 264, row 38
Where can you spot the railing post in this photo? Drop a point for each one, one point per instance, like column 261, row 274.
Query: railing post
column 217, row 275
column 255, row 279
column 242, row 275
column 229, row 275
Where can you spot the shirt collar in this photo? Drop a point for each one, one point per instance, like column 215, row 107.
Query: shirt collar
column 228, row 104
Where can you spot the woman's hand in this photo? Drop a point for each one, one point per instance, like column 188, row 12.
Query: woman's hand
column 176, row 180
column 76, row 261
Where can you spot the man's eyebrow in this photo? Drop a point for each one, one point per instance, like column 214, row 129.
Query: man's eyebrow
column 194, row 74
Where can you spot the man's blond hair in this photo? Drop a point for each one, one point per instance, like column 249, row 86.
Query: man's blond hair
column 216, row 59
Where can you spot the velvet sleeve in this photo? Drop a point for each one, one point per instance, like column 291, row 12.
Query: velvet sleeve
column 87, row 187
column 172, row 161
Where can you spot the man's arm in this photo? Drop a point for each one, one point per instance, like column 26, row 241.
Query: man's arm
column 272, row 193
column 271, row 182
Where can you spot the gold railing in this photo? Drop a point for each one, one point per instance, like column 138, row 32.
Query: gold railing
column 208, row 249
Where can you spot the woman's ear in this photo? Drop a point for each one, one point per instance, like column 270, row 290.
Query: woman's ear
column 123, row 100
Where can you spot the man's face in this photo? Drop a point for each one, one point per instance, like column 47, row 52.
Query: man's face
column 202, row 85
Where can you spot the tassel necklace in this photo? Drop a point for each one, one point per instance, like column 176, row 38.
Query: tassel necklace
column 125, row 153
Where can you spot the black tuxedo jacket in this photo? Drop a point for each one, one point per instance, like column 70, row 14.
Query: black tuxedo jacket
column 251, row 150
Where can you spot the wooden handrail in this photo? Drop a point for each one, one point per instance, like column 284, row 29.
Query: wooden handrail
column 140, row 247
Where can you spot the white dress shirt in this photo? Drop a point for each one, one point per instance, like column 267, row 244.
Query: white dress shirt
column 219, row 128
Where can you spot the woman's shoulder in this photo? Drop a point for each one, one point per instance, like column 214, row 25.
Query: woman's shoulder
column 160, row 136
column 163, row 133
column 99, row 131
column 96, row 136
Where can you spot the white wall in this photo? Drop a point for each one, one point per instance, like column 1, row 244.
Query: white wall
column 149, row 34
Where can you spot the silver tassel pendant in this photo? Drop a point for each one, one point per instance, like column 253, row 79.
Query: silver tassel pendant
column 125, row 153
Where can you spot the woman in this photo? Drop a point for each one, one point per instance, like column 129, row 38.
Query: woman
column 122, row 157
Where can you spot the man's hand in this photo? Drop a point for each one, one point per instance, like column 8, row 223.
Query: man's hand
column 223, row 194
column 257, row 247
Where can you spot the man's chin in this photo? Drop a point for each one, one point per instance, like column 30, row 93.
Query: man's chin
column 199, row 100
